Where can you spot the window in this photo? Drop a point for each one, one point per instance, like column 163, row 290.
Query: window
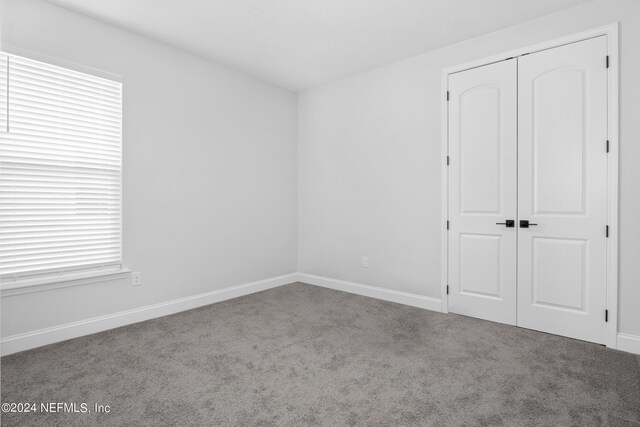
column 60, row 171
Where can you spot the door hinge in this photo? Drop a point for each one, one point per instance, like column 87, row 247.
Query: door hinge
column 607, row 232
column 607, row 145
column 447, row 95
column 447, row 160
column 606, row 315
column 447, row 224
column 447, row 289
column 607, row 61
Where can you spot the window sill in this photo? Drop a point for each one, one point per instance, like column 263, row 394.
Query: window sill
column 61, row 281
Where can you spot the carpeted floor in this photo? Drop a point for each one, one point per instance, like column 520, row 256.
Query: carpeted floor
column 303, row 355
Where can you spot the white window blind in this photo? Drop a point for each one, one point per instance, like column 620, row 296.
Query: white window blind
column 60, row 170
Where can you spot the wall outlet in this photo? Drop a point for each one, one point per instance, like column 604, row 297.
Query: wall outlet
column 365, row 262
column 136, row 278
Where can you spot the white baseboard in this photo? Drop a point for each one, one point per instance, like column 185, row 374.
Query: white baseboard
column 33, row 339
column 399, row 297
column 628, row 342
column 38, row 338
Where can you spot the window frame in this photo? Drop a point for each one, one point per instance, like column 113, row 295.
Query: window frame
column 46, row 280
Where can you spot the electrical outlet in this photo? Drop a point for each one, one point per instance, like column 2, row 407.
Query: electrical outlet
column 136, row 278
column 365, row 262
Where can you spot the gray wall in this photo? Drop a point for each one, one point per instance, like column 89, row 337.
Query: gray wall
column 209, row 169
column 369, row 161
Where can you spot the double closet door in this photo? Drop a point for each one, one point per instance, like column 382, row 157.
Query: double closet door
column 527, row 191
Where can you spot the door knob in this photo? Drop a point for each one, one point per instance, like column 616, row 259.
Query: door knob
column 509, row 223
column 524, row 223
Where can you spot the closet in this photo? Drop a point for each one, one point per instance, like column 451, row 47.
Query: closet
column 527, row 190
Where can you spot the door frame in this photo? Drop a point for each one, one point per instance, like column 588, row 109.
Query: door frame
column 612, row 33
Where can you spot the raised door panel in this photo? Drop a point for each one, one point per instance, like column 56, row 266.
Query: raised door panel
column 559, row 273
column 480, row 265
column 480, row 150
column 559, row 137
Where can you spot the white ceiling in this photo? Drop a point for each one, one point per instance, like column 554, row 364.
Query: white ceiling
column 299, row 44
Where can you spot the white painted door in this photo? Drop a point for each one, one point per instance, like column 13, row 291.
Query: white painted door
column 562, row 177
column 482, row 182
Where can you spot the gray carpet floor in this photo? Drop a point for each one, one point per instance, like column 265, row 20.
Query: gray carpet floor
column 303, row 355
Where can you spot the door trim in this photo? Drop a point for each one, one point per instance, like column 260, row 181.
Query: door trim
column 611, row 31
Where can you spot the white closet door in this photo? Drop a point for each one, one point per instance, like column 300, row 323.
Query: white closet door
column 482, row 178
column 562, row 177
